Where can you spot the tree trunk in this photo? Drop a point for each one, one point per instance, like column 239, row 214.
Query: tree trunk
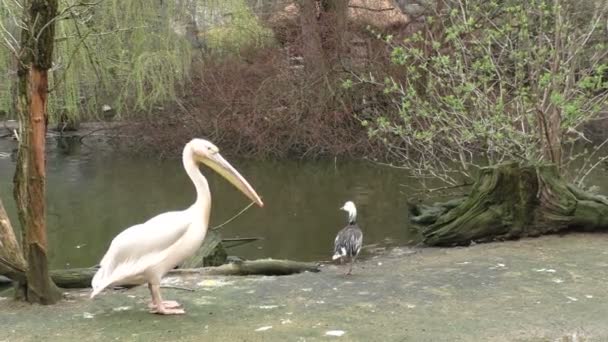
column 549, row 113
column 511, row 201
column 324, row 26
column 30, row 189
column 12, row 263
column 37, row 39
column 334, row 25
column 312, row 48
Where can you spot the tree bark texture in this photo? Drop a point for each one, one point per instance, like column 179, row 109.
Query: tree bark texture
column 37, row 39
column 324, row 25
column 511, row 201
column 334, row 26
column 312, row 48
column 12, row 263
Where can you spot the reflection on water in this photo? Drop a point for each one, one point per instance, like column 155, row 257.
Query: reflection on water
column 93, row 194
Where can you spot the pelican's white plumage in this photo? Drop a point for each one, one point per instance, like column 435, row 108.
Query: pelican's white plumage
column 161, row 242
column 145, row 252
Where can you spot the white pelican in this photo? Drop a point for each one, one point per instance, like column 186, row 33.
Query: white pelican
column 145, row 252
column 349, row 240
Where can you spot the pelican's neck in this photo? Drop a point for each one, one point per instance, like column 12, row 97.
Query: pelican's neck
column 203, row 195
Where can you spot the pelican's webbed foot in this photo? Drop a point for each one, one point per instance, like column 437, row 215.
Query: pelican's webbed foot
column 163, row 310
column 163, row 307
column 168, row 304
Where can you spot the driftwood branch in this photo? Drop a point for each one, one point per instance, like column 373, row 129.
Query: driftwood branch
column 255, row 267
column 81, row 277
column 234, row 242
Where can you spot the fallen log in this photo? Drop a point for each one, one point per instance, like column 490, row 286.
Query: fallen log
column 81, row 277
column 269, row 267
column 73, row 278
column 510, row 201
column 211, row 253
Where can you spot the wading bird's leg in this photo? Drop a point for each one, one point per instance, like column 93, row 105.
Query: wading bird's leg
column 161, row 307
column 168, row 304
column 352, row 261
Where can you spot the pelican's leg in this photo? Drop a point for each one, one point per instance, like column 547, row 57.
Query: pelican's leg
column 168, row 304
column 161, row 307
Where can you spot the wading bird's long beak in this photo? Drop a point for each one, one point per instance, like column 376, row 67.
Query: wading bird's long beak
column 221, row 166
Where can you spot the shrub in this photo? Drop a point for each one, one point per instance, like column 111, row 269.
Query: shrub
column 488, row 81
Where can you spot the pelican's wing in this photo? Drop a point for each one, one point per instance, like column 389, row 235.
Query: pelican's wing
column 141, row 246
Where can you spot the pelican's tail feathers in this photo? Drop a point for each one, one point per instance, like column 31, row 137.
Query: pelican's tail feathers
column 99, row 283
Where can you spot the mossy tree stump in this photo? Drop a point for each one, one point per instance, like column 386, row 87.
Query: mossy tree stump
column 510, row 201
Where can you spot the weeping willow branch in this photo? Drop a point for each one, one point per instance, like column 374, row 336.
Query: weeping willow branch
column 63, row 77
column 103, row 65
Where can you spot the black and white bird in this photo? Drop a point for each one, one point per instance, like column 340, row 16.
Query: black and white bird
column 350, row 239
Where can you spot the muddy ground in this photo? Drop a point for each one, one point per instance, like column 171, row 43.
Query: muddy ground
column 545, row 289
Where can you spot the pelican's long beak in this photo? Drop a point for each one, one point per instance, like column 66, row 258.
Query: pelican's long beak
column 221, row 166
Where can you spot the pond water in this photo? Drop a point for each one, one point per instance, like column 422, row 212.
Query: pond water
column 93, row 194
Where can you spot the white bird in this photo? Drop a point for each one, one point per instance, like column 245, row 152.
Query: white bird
column 350, row 239
column 144, row 253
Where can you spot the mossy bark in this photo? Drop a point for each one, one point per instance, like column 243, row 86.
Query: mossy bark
column 36, row 57
column 511, row 201
column 12, row 263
